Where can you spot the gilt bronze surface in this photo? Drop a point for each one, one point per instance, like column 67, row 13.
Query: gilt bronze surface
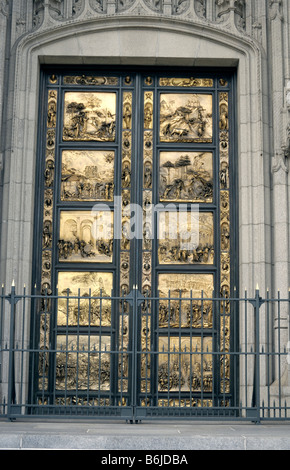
column 135, row 318
column 87, row 175
column 185, row 117
column 86, row 237
column 89, row 116
column 174, row 246
column 186, row 176
column 94, row 305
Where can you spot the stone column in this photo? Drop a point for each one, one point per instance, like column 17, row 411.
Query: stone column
column 280, row 206
column 4, row 62
column 3, row 26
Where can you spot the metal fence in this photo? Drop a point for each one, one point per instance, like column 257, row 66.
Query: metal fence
column 136, row 357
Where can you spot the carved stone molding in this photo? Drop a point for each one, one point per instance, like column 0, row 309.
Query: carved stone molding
column 226, row 12
column 4, row 7
column 77, row 7
column 286, row 146
column 226, row 9
column 100, row 6
column 288, row 96
column 200, row 8
column 280, row 161
column 181, row 6
column 55, row 8
column 276, row 9
column 154, row 5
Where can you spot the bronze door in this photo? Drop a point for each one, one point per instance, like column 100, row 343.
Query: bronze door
column 135, row 217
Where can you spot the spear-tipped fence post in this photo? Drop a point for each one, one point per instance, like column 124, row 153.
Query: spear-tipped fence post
column 257, row 302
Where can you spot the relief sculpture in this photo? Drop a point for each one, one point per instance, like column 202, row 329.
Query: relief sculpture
column 82, row 363
column 84, row 298
column 192, row 244
column 225, row 240
column 182, row 306
column 85, row 237
column 186, row 176
column 89, row 117
column 185, row 117
column 181, row 368
column 87, row 175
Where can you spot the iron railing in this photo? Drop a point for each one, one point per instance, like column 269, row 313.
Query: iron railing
column 138, row 357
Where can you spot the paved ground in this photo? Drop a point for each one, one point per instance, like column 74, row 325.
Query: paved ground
column 146, row 436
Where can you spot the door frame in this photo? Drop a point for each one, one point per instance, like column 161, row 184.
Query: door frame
column 137, row 145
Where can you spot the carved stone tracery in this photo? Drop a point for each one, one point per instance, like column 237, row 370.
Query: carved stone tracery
column 4, row 7
column 224, row 9
column 225, row 12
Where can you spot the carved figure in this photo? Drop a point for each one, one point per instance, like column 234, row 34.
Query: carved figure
column 126, row 177
column 174, row 189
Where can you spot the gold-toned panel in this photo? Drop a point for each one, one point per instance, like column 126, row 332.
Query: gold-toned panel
column 127, row 110
column 52, row 107
column 89, row 116
column 225, row 240
column 186, row 82
column 86, row 236
column 47, row 238
column 82, row 363
column 181, row 402
column 148, row 110
column 185, row 364
column 124, row 286
column 186, row 238
column 182, row 305
column 82, row 311
column 186, row 176
column 89, row 80
column 146, row 281
column 87, row 175
column 185, row 117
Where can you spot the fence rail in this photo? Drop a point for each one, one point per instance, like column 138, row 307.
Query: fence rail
column 137, row 357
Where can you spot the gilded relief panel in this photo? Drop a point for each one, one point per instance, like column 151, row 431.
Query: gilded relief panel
column 90, row 80
column 182, row 306
column 74, row 306
column 185, row 117
column 225, row 240
column 185, row 364
column 146, row 280
column 47, row 236
column 82, row 363
column 185, row 238
column 125, row 245
column 89, row 116
column 186, row 82
column 86, row 236
column 87, row 175
column 186, row 176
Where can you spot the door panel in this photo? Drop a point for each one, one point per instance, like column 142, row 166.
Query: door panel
column 136, row 198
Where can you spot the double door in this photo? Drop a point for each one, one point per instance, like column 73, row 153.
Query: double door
column 135, row 217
